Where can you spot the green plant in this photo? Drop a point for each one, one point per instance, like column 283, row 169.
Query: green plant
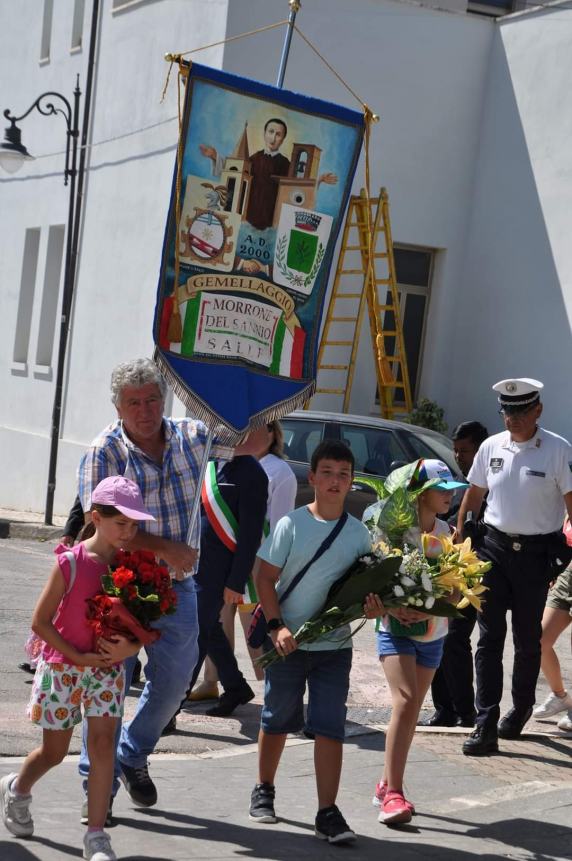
column 428, row 414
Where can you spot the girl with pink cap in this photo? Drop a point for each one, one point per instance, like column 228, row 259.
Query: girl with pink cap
column 70, row 674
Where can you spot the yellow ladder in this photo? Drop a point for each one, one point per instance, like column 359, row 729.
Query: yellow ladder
column 365, row 265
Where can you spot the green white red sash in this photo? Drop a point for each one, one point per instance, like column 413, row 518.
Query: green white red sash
column 218, row 512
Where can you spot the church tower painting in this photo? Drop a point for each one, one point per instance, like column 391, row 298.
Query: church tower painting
column 300, row 186
column 235, row 176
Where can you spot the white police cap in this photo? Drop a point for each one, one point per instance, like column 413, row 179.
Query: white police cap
column 518, row 392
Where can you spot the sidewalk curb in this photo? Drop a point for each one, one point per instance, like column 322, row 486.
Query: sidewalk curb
column 34, row 531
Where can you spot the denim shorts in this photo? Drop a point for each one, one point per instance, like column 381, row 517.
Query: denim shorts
column 426, row 654
column 327, row 674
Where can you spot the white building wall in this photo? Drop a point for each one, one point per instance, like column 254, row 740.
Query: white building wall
column 126, row 198
column 450, row 148
column 514, row 301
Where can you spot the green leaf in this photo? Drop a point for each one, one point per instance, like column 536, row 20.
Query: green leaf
column 107, row 584
column 398, row 515
column 150, row 599
column 401, row 478
column 376, row 484
column 361, row 579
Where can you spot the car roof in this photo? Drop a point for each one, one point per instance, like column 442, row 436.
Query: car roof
column 365, row 421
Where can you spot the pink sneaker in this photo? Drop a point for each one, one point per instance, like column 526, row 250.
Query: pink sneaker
column 395, row 809
column 379, row 794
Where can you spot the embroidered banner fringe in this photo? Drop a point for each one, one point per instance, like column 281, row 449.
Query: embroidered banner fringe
column 201, row 411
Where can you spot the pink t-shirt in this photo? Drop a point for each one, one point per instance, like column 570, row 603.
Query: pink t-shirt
column 70, row 620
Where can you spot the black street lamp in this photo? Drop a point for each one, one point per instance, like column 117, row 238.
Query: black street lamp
column 12, row 155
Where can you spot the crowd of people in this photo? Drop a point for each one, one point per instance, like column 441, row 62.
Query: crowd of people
column 136, row 486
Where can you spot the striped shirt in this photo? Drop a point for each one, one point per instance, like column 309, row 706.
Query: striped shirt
column 168, row 488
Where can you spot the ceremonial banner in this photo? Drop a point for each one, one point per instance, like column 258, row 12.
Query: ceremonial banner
column 264, row 183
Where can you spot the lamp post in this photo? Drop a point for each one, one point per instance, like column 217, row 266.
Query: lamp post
column 12, row 155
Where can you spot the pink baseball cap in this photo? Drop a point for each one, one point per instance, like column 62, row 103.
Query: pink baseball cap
column 123, row 494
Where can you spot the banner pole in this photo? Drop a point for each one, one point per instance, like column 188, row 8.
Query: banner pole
column 200, row 480
column 294, row 9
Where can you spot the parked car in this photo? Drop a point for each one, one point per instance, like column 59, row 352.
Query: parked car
column 378, row 445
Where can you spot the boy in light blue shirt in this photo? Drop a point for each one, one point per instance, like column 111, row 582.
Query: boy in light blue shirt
column 324, row 665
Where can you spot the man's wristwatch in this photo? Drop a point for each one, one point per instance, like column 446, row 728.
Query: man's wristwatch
column 274, row 624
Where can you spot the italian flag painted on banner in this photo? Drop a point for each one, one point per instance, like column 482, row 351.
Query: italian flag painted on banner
column 288, row 351
column 219, row 514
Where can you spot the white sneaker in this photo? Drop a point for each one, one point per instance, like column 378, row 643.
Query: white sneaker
column 97, row 847
column 553, row 705
column 565, row 722
column 15, row 809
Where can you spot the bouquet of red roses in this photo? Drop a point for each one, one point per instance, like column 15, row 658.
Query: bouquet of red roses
column 136, row 591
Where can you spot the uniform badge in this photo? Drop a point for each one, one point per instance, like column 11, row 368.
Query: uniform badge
column 496, row 464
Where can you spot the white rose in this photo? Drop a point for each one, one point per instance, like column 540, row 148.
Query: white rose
column 418, row 602
column 407, row 581
column 427, row 583
column 429, row 602
column 398, row 591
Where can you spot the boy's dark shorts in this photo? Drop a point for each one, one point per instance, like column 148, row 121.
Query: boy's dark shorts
column 327, row 674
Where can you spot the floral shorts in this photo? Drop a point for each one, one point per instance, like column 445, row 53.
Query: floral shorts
column 59, row 691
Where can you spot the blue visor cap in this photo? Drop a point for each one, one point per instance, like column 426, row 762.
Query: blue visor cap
column 438, row 469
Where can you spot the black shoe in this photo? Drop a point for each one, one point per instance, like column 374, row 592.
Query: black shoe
column 439, row 719
column 136, row 677
column 330, row 825
column 139, row 786
column 511, row 725
column 171, row 727
column 27, row 668
column 262, row 803
column 467, row 721
column 482, row 741
column 231, row 700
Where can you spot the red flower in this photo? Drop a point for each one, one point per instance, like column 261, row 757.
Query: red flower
column 122, row 576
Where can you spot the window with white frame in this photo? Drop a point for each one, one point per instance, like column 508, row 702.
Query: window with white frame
column 414, row 270
column 77, row 24
column 46, row 31
column 26, row 300
column 50, row 298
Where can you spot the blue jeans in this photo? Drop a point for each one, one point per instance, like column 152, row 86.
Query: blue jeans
column 170, row 664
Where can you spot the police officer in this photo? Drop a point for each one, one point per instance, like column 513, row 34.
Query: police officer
column 527, row 472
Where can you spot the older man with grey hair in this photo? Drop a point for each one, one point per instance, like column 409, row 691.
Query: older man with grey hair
column 163, row 456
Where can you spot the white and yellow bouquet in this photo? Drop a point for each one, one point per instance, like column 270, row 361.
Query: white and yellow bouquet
column 405, row 568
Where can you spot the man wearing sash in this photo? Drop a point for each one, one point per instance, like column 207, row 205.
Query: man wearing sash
column 234, row 497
